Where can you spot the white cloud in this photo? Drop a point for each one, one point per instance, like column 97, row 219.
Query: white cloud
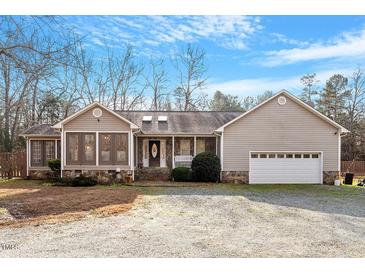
column 279, row 37
column 230, row 32
column 345, row 46
column 255, row 86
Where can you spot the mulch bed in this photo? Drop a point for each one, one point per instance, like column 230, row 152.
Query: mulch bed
column 23, row 204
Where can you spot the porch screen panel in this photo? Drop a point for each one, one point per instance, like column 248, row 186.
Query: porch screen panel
column 113, row 149
column 105, row 149
column 89, row 148
column 200, row 145
column 73, row 148
column 121, row 148
column 184, row 147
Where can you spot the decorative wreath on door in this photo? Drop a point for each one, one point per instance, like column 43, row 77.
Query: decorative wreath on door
column 154, row 150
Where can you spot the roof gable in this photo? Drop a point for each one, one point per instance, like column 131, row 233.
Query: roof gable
column 295, row 99
column 85, row 109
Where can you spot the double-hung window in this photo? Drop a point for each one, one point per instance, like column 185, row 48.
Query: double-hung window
column 41, row 152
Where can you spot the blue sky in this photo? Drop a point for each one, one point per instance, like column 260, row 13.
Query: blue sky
column 246, row 55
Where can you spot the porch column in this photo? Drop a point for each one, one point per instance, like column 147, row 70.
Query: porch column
column 63, row 148
column 194, row 146
column 132, row 154
column 173, row 152
column 28, row 155
column 97, row 147
column 136, row 151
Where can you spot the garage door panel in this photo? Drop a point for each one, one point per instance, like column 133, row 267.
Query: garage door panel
column 285, row 170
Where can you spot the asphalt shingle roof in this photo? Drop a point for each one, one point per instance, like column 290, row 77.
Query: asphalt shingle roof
column 180, row 122
column 42, row 130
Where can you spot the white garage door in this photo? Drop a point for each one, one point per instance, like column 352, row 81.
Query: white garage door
column 285, row 168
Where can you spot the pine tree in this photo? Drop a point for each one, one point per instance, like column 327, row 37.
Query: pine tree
column 332, row 101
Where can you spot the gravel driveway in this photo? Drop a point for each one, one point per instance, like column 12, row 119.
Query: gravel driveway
column 216, row 221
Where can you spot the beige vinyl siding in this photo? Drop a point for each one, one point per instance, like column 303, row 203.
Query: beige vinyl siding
column 274, row 127
column 107, row 122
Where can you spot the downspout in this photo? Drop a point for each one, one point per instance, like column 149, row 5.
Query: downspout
column 133, row 133
column 220, row 134
column 62, row 150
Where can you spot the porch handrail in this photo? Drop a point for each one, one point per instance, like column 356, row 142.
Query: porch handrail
column 183, row 158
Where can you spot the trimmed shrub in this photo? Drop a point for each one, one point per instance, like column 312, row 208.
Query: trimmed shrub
column 181, row 174
column 83, row 181
column 62, row 181
column 206, row 167
column 55, row 165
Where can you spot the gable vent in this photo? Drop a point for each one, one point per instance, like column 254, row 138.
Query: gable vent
column 97, row 112
column 162, row 118
column 282, row 100
column 147, row 118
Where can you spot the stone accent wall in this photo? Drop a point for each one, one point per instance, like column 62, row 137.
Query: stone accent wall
column 40, row 174
column 329, row 177
column 102, row 176
column 152, row 174
column 237, row 177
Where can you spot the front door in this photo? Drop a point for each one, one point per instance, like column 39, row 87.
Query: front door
column 154, row 153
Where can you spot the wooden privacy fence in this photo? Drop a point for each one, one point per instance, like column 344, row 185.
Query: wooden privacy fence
column 13, row 164
column 356, row 167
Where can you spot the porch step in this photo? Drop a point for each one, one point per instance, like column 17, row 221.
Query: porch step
column 152, row 174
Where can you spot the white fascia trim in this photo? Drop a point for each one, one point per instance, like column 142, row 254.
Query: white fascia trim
column 176, row 135
column 297, row 100
column 40, row 136
column 81, row 111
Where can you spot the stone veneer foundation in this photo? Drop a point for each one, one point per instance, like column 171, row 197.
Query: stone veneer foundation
column 329, row 177
column 102, row 176
column 152, row 174
column 237, row 177
column 40, row 174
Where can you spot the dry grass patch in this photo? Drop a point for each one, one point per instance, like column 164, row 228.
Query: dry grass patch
column 29, row 202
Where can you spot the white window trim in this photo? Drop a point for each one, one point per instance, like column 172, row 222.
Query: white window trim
column 29, row 151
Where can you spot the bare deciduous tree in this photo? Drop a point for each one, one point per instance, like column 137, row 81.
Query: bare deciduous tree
column 157, row 82
column 124, row 75
column 191, row 74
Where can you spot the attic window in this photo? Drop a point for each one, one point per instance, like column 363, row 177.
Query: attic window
column 147, row 118
column 162, row 118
